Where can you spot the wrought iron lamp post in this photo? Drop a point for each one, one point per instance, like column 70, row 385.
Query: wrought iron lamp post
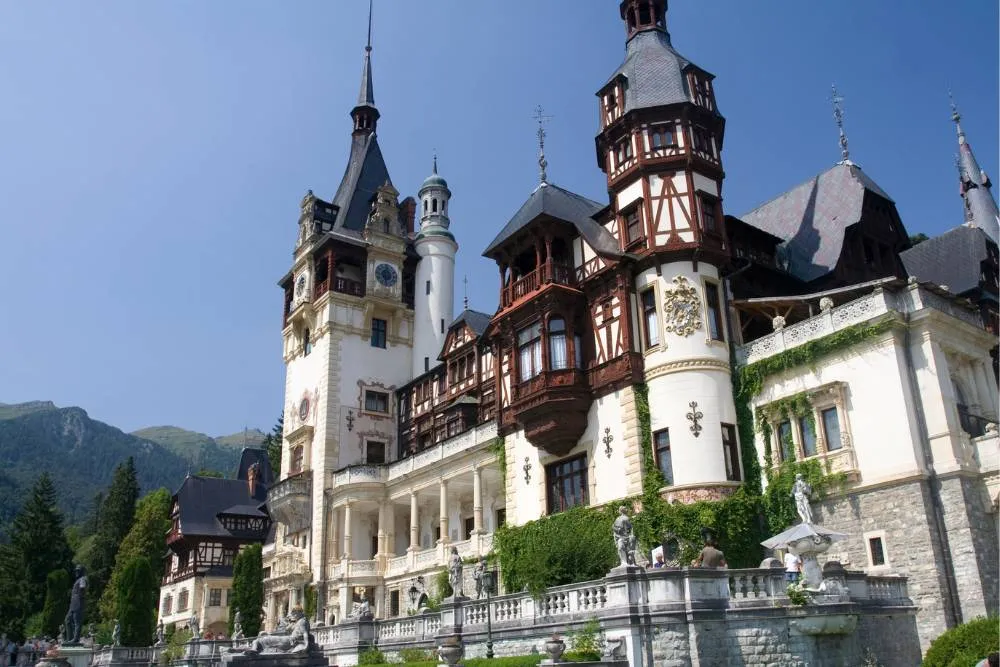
column 414, row 595
column 489, row 581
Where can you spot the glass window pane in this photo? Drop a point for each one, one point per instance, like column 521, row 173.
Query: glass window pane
column 808, row 431
column 785, row 441
column 831, row 429
column 557, row 351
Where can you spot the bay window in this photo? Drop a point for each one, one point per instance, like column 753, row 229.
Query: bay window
column 557, row 344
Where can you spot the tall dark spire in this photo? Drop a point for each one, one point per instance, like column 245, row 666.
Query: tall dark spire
column 975, row 186
column 365, row 114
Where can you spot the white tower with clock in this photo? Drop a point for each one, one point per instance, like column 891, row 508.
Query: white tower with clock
column 435, row 280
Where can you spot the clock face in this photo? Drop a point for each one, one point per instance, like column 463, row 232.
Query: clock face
column 304, row 409
column 386, row 274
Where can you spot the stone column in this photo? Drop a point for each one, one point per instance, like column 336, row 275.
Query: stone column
column 348, row 547
column 381, row 529
column 414, row 523
column 443, row 491
column 335, row 534
column 477, row 501
column 987, row 388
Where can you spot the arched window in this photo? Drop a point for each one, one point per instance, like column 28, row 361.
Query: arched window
column 425, row 206
column 434, row 206
column 306, row 343
column 557, row 344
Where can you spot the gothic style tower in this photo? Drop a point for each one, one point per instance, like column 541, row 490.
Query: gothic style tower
column 434, row 293
column 980, row 206
column 660, row 145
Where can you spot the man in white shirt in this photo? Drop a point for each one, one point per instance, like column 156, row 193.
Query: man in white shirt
column 793, row 566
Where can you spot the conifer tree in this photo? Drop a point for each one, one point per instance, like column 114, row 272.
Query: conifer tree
column 272, row 444
column 147, row 538
column 113, row 524
column 248, row 589
column 136, row 602
column 57, row 591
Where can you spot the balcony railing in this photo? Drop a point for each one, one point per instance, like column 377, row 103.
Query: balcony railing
column 546, row 380
column 360, row 474
column 547, row 274
column 348, row 286
column 290, row 500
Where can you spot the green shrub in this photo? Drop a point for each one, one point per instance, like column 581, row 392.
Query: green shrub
column 175, row 645
column 409, row 655
column 965, row 644
column 371, row 656
column 442, row 585
column 585, row 644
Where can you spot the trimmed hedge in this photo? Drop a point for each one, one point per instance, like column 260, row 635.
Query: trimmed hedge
column 966, row 644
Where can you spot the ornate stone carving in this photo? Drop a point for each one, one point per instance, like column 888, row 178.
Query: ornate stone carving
column 607, row 440
column 825, row 304
column 695, row 417
column 778, row 323
column 527, row 470
column 682, row 308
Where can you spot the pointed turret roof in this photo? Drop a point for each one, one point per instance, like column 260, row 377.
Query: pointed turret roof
column 975, row 186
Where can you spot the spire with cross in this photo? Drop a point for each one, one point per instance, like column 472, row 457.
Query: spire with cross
column 465, row 286
column 542, row 164
column 838, row 115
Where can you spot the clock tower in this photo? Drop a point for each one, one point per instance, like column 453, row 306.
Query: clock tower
column 435, row 283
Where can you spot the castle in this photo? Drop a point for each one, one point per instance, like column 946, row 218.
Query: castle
column 410, row 431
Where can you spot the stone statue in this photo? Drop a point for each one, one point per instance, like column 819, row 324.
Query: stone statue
column 624, row 538
column 194, row 627
column 477, row 574
column 62, row 634
column 116, row 634
column 801, row 491
column 74, row 619
column 238, row 625
column 296, row 640
column 455, row 573
column 362, row 610
column 160, row 633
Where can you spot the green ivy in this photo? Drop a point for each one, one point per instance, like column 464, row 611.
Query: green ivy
column 499, row 449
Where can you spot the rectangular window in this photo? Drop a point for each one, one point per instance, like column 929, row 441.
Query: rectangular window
column 702, row 141
column 709, row 219
column 376, row 401
column 529, row 345
column 623, row 151
column 650, row 320
column 785, row 443
column 808, row 430
column 557, row 344
column 730, row 451
column 876, row 551
column 714, row 311
column 393, row 603
column 470, row 525
column 661, row 445
column 182, row 600
column 427, row 287
column 374, row 452
column 567, row 484
column 378, row 333
column 501, row 518
column 662, row 136
column 633, row 226
column 831, row 429
column 298, row 458
column 166, row 608
column 215, row 597
column 442, row 325
column 427, row 364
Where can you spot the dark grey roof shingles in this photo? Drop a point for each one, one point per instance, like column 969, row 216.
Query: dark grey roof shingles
column 655, row 72
column 811, row 218
column 202, row 499
column 365, row 173
column 555, row 202
column 476, row 320
column 952, row 259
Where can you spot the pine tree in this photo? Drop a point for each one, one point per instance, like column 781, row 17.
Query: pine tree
column 272, row 443
column 113, row 524
column 147, row 538
column 57, row 591
column 136, row 602
column 248, row 589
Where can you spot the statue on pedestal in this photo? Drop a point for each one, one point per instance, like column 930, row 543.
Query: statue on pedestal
column 624, row 538
column 238, row 625
column 74, row 619
column 800, row 492
column 194, row 627
column 477, row 574
column 116, row 634
column 159, row 633
column 455, row 573
column 297, row 640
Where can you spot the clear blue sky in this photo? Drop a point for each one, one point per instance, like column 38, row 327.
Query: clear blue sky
column 153, row 155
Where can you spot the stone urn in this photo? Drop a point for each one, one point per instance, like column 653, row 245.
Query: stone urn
column 555, row 647
column 450, row 651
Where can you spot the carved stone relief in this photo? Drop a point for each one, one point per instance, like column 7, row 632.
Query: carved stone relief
column 681, row 308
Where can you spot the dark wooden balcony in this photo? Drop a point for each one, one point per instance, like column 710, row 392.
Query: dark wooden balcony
column 552, row 408
column 548, row 273
column 348, row 286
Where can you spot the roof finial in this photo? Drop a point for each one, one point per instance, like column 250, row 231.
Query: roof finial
column 465, row 301
column 368, row 46
column 956, row 118
column 435, row 161
column 542, row 164
column 838, row 114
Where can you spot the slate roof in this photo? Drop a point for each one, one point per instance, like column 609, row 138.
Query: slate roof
column 476, row 320
column 555, row 202
column 952, row 259
column 201, row 499
column 365, row 173
column 251, row 455
column 655, row 72
column 811, row 218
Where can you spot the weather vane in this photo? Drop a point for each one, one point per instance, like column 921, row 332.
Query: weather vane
column 465, row 282
column 956, row 117
column 542, row 164
column 838, row 114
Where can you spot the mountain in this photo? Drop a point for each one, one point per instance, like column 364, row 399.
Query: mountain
column 80, row 454
column 221, row 454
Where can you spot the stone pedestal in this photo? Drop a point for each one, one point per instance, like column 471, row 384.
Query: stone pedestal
column 71, row 656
